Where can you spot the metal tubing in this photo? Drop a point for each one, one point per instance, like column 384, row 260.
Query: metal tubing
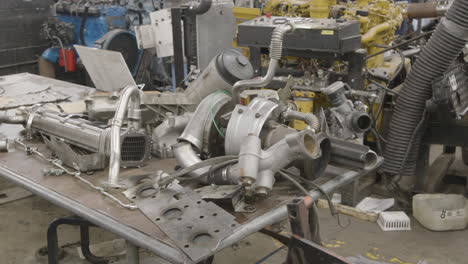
column 351, row 154
column 17, row 119
column 280, row 213
column 126, row 232
column 129, row 100
column 257, row 82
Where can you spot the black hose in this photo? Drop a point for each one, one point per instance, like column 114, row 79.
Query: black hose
column 83, row 23
column 441, row 50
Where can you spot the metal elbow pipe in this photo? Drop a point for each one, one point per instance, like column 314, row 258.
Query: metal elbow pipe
column 186, row 157
column 276, row 50
column 129, row 103
column 194, row 130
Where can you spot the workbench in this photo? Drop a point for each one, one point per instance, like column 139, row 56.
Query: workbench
column 132, row 225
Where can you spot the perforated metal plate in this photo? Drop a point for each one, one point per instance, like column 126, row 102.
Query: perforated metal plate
column 196, row 226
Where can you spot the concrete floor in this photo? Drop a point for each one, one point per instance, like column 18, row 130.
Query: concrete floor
column 23, row 225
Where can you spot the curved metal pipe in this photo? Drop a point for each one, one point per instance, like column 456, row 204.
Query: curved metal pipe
column 276, row 49
column 129, row 103
column 256, row 82
column 186, row 157
column 194, row 130
column 308, row 118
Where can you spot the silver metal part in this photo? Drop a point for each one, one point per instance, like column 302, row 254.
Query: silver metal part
column 129, row 104
column 348, row 120
column 196, row 226
column 349, row 154
column 215, row 29
column 165, row 135
column 276, row 50
column 257, row 167
column 186, row 157
column 247, row 120
column 203, row 116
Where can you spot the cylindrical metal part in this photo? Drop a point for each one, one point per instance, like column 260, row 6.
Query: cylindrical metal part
column 352, row 155
column 4, row 145
column 72, row 131
column 422, row 10
column 221, row 73
column 249, row 159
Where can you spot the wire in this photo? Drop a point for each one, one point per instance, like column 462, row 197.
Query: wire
column 332, row 207
column 199, row 165
column 316, row 221
column 211, row 111
column 76, row 174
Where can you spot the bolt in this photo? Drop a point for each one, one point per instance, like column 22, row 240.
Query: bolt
column 257, row 115
column 240, row 111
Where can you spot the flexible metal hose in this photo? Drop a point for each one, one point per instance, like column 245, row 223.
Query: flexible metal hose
column 308, row 118
column 276, row 50
column 442, row 49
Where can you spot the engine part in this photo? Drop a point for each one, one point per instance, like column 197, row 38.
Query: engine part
column 128, row 148
column 450, row 92
column 83, row 145
column 310, row 119
column 352, row 155
column 405, row 133
column 276, row 49
column 347, row 120
column 246, row 120
column 319, row 35
column 165, row 135
column 221, row 74
column 257, row 167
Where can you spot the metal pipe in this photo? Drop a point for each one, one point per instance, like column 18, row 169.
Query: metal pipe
column 276, row 49
column 108, row 223
column 186, row 157
column 129, row 103
column 256, row 82
column 17, row 119
column 308, row 118
column 200, row 8
column 351, row 154
column 280, row 213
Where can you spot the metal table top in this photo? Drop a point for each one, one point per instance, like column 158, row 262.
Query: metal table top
column 71, row 194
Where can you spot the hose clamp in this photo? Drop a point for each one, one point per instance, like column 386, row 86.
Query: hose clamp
column 455, row 30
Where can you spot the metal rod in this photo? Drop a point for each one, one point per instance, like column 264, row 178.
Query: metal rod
column 280, row 213
column 126, row 232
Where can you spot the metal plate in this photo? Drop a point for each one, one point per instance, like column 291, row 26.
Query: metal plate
column 107, row 69
column 195, row 226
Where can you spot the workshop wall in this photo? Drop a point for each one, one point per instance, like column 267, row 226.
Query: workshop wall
column 20, row 41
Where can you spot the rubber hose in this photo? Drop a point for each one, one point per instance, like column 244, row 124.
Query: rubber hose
column 441, row 50
column 83, row 24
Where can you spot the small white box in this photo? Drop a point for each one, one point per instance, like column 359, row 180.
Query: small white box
column 394, row 221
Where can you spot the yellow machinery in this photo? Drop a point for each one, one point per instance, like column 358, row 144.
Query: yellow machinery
column 379, row 19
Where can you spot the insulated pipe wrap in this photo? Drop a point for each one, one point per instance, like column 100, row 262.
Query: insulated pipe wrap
column 439, row 53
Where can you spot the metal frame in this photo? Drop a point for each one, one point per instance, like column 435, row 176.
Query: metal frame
column 163, row 250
